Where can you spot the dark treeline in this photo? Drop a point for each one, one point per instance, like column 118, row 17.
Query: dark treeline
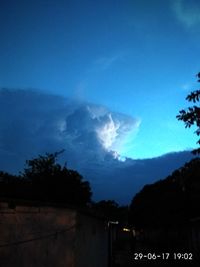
column 44, row 179
column 174, row 200
column 166, row 214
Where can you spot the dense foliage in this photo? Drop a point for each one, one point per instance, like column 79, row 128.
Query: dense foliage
column 172, row 201
column 191, row 116
column 111, row 211
column 44, row 179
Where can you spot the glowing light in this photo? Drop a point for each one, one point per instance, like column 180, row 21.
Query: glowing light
column 108, row 133
column 126, row 229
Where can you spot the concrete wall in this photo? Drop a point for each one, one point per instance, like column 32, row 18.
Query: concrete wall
column 50, row 237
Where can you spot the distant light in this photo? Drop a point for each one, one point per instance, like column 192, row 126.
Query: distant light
column 112, row 222
column 126, row 229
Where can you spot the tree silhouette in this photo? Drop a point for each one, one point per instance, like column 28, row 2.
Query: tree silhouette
column 107, row 208
column 191, row 116
column 44, row 179
column 171, row 201
column 111, row 211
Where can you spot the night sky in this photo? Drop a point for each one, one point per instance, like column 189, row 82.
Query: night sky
column 102, row 79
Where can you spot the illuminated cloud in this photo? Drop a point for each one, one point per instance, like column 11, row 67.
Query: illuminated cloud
column 37, row 123
column 108, row 133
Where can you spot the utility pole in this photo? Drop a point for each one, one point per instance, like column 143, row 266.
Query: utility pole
column 110, row 252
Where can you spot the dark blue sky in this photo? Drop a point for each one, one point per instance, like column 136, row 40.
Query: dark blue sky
column 135, row 57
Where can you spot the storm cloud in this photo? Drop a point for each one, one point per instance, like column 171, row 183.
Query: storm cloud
column 33, row 123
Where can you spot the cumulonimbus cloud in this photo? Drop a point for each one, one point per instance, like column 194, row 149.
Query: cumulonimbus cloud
column 34, row 123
